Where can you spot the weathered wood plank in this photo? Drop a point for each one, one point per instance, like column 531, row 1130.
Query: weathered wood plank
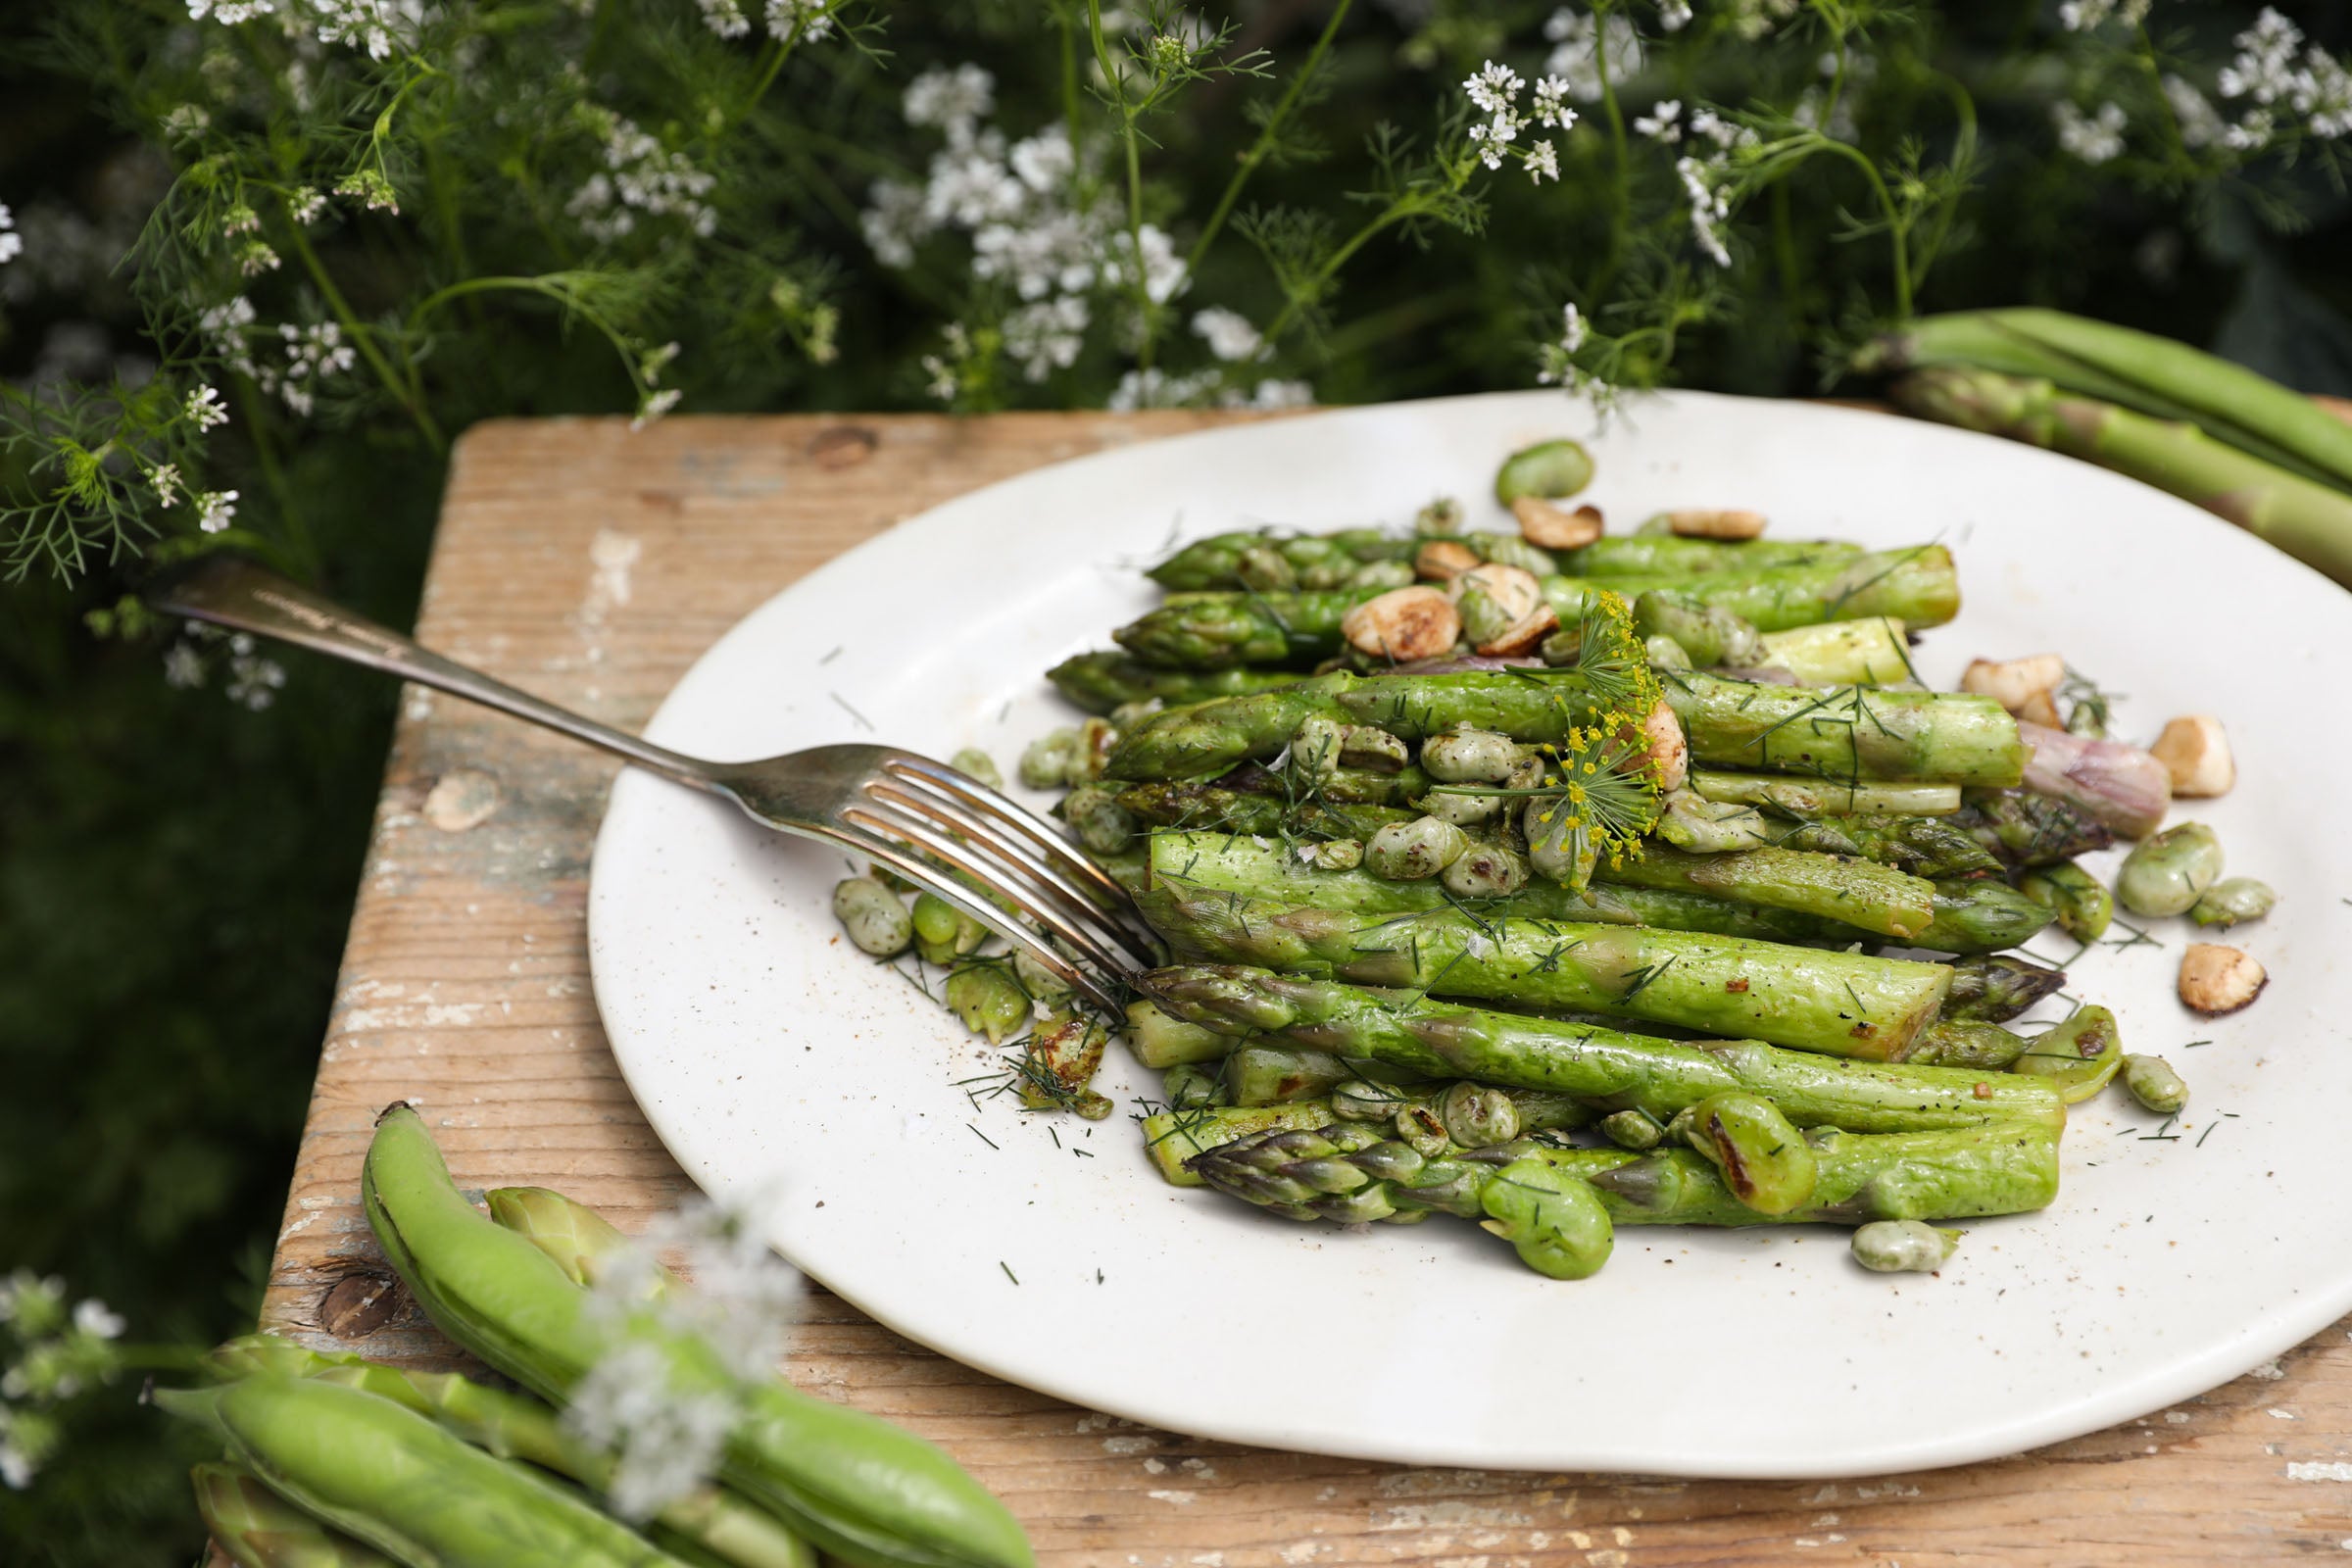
column 592, row 565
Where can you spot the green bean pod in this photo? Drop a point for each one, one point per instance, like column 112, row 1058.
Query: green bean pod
column 258, row 1529
column 856, row 1486
column 404, row 1484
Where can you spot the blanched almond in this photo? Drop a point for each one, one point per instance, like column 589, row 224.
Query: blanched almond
column 1404, row 624
column 1523, row 635
column 1443, row 560
column 1550, row 527
column 1707, row 523
column 2215, row 979
column 2015, row 682
column 2195, row 751
column 2039, row 710
column 1514, row 590
column 1662, row 736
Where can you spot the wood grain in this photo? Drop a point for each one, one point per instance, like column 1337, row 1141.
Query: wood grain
column 592, row 565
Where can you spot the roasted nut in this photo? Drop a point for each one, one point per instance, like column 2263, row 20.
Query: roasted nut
column 2015, row 682
column 2039, row 710
column 1404, row 624
column 2196, row 752
column 1707, row 523
column 1491, row 599
column 1522, row 636
column 1556, row 527
column 2215, row 979
column 1443, row 560
column 1669, row 749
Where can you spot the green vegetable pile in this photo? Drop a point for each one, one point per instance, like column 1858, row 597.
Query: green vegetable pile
column 1634, row 881
column 336, row 1462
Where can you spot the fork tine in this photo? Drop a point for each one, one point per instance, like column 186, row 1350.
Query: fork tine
column 1071, row 900
column 914, row 868
column 1104, row 888
column 1079, row 930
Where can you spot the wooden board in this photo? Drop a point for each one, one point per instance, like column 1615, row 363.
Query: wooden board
column 591, row 563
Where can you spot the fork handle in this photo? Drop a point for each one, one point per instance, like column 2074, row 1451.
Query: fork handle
column 227, row 591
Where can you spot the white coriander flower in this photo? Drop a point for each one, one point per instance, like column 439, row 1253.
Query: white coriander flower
column 1572, row 330
column 2094, row 140
column 1662, row 123
column 2251, row 134
column 16, row 1467
column 1674, row 15
column 2081, row 15
column 183, row 665
column 2263, row 68
column 2200, row 124
column 1577, row 43
column 256, row 258
column 1228, row 333
column 1155, row 388
column 1550, row 106
column 229, row 13
column 1273, row 394
column 953, row 101
column 205, row 407
column 894, row 220
column 91, row 1317
column 216, row 509
column 942, row 382
column 2322, row 93
column 12, row 243
column 724, row 17
column 812, row 20
column 1543, row 160
column 1162, row 270
column 658, row 360
column 668, row 1440
column 656, row 405
column 186, row 122
column 1494, row 89
column 240, row 220
column 1709, row 207
column 1047, row 336
column 254, row 681
column 165, row 476
column 1043, row 161
column 305, row 203
column 373, row 191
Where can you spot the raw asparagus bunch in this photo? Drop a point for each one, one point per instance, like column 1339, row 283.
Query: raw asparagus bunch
column 1841, row 1003
column 1352, row 1173
column 2309, row 520
column 1605, row 1068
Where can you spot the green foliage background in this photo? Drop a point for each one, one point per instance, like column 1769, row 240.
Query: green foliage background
column 175, row 871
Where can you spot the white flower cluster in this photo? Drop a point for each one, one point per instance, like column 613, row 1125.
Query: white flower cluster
column 12, row 243
column 1155, row 388
column 2095, row 139
column 1494, row 92
column 1707, row 174
column 641, row 178
column 2273, row 70
column 2081, row 15
column 1557, row 362
column 810, row 20
column 1580, row 40
column 740, row 1304
column 58, row 1354
column 1034, row 224
column 312, row 354
column 377, row 26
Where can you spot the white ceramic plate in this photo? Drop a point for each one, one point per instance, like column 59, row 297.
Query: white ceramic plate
column 765, row 1050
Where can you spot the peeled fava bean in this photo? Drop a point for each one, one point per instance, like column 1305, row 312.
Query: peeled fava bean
column 1334, row 854
column 2233, row 901
column 1549, row 468
column 1045, row 760
column 1415, row 850
column 1470, row 757
column 1765, row 1162
column 944, row 932
column 1485, row 872
column 1554, row 1221
column 874, row 918
column 979, row 764
column 1903, row 1246
column 2152, row 1082
column 2079, row 1054
column 2167, row 872
column 1476, row 1116
column 988, row 1000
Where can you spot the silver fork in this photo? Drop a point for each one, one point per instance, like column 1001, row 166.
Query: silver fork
column 889, row 806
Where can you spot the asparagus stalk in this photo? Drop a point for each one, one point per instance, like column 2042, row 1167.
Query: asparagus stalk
column 1352, row 1173
column 2119, row 786
column 1171, row 1138
column 2025, row 829
column 1874, row 897
column 1868, row 651
column 1851, row 733
column 1842, row 1004
column 1978, row 914
column 2154, row 375
column 1099, row 682
column 1208, row 739
column 1607, row 1069
column 1923, row 846
column 1996, row 990
column 1313, row 559
column 2309, row 520
column 1218, row 630
column 1825, row 797
column 1191, row 805
column 1667, row 555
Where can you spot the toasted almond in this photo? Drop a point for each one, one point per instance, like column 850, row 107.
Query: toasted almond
column 2015, row 682
column 1523, row 635
column 1515, row 590
column 2195, row 751
column 1404, row 624
column 2215, row 979
column 1708, row 522
column 2039, row 710
column 1668, row 748
column 1443, row 560
column 1552, row 528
